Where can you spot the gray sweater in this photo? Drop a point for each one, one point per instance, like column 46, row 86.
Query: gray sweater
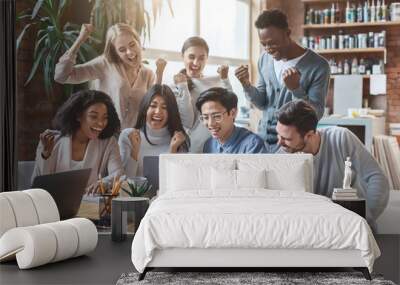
column 367, row 177
column 269, row 95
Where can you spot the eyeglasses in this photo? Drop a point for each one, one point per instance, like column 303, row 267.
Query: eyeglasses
column 217, row 117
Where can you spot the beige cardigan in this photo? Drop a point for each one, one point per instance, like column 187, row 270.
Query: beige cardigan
column 102, row 156
column 109, row 78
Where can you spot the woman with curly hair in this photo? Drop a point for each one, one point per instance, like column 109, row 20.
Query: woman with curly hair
column 85, row 126
column 118, row 72
column 158, row 130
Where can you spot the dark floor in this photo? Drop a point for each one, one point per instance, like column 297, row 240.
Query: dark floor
column 111, row 259
column 102, row 266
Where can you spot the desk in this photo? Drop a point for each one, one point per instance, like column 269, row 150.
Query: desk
column 364, row 128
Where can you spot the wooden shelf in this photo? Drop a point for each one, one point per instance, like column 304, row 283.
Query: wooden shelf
column 365, row 76
column 354, row 50
column 352, row 25
column 323, row 1
column 350, row 50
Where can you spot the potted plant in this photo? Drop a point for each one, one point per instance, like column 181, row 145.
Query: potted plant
column 136, row 187
column 53, row 38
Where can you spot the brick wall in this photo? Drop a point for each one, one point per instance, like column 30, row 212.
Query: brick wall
column 393, row 74
column 35, row 110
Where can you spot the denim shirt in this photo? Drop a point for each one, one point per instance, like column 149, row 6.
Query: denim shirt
column 240, row 141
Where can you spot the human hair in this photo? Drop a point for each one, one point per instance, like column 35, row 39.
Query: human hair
column 223, row 96
column 273, row 17
column 174, row 122
column 300, row 114
column 112, row 33
column 66, row 118
column 193, row 42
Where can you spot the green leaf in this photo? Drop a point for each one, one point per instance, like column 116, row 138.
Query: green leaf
column 38, row 45
column 21, row 35
column 127, row 192
column 36, row 8
column 61, row 6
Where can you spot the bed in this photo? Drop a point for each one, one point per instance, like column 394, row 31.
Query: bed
column 247, row 211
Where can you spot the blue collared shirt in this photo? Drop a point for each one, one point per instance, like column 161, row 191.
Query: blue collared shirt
column 240, row 141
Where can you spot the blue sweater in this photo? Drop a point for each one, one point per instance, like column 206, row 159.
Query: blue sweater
column 269, row 95
column 367, row 177
column 240, row 141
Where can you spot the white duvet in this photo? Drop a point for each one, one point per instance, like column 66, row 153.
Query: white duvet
column 254, row 218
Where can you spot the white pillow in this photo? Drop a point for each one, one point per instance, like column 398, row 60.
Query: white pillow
column 280, row 180
column 223, row 179
column 187, row 175
column 237, row 179
column 251, row 178
column 281, row 173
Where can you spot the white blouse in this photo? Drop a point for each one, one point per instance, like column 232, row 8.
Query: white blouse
column 102, row 156
column 109, row 78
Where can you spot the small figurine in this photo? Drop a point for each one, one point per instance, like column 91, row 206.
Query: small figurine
column 347, row 174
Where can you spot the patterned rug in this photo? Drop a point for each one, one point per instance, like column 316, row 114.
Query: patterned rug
column 244, row 278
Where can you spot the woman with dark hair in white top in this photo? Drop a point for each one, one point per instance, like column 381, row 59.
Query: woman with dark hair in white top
column 158, row 129
column 190, row 82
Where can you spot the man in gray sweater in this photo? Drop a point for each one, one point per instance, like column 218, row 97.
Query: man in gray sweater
column 296, row 128
column 286, row 71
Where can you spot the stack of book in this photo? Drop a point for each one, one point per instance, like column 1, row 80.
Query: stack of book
column 344, row 194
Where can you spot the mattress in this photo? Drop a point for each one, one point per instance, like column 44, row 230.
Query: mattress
column 251, row 219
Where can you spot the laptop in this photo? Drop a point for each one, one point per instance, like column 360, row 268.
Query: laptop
column 150, row 171
column 66, row 188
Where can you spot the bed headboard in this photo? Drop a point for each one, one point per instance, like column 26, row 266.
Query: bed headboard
column 284, row 171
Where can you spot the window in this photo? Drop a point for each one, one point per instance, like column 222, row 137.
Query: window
column 224, row 24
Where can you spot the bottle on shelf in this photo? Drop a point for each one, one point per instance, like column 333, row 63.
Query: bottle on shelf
column 340, row 67
column 354, row 66
column 348, row 13
column 360, row 17
column 373, row 12
column 362, row 67
column 366, row 12
column 333, row 14
column 346, row 67
column 384, row 12
column 338, row 17
column 378, row 11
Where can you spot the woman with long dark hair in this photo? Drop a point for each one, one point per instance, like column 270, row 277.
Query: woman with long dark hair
column 83, row 137
column 158, row 129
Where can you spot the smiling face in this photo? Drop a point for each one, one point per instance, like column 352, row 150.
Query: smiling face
column 275, row 41
column 93, row 120
column 195, row 59
column 157, row 114
column 290, row 139
column 218, row 120
column 128, row 49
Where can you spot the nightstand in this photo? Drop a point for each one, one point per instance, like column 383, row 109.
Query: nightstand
column 355, row 205
column 119, row 209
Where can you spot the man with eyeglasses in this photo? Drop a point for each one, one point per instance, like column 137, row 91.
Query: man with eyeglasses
column 218, row 109
column 286, row 71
